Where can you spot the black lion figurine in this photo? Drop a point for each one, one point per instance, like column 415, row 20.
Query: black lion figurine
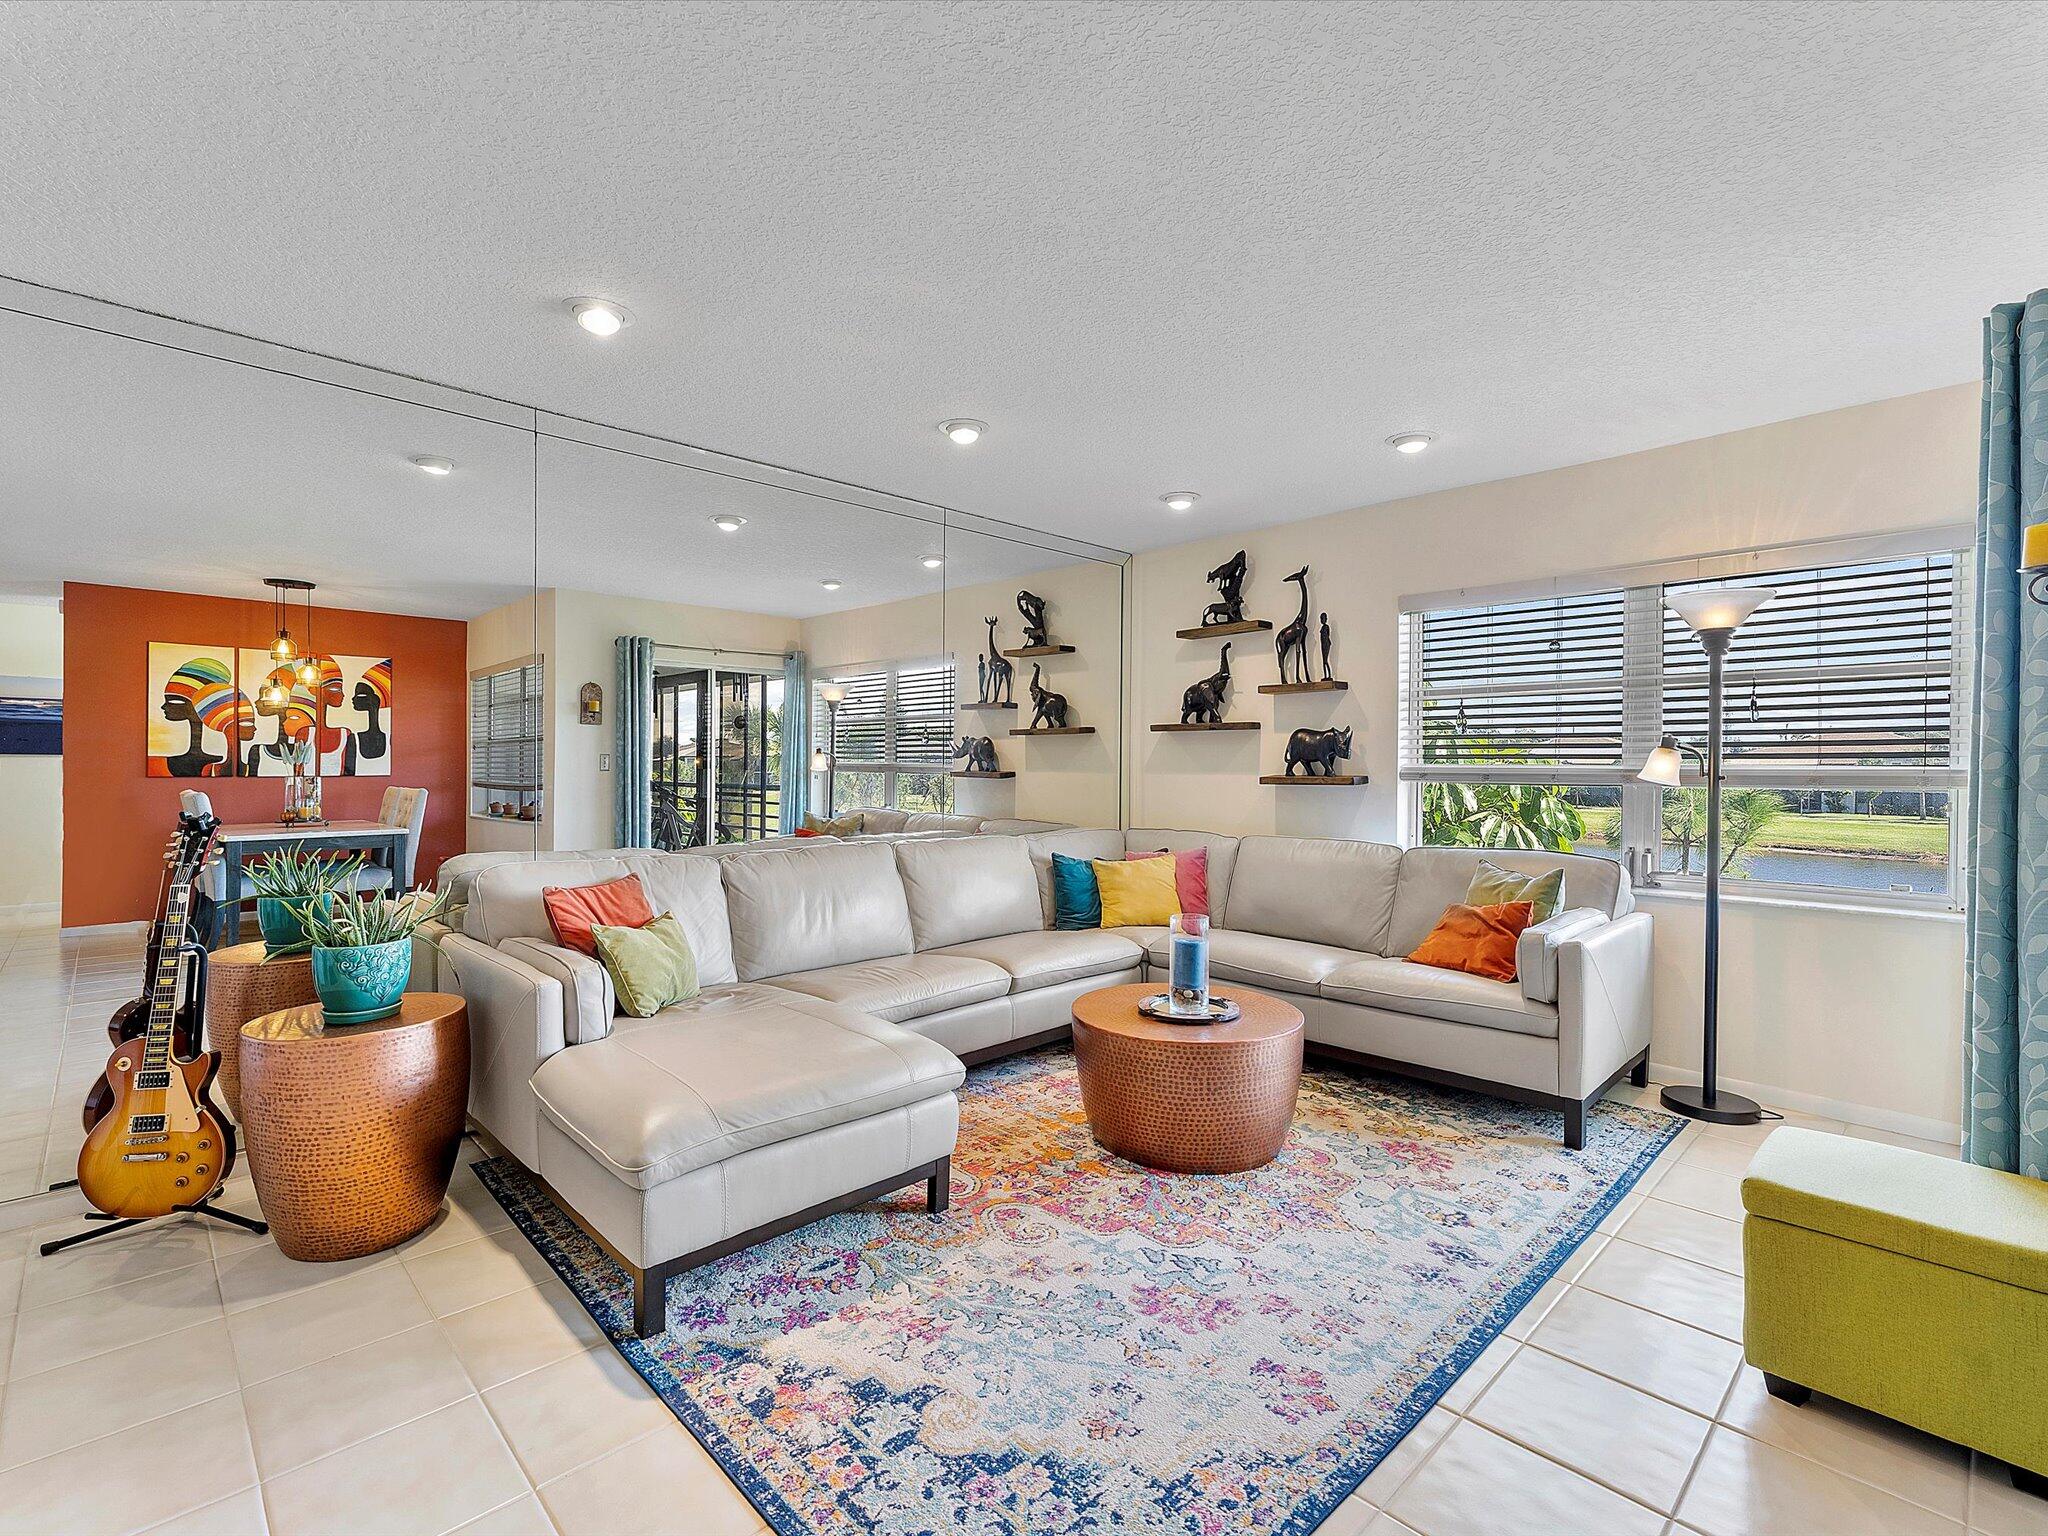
column 1032, row 606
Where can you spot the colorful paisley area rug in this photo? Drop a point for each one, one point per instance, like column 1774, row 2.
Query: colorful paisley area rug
column 1080, row 1345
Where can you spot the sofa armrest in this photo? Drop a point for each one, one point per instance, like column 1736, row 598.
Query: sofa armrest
column 1536, row 950
column 1603, row 1002
column 515, row 1023
column 588, row 998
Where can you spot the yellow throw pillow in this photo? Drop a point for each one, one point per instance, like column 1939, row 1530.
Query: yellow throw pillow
column 1136, row 892
column 836, row 826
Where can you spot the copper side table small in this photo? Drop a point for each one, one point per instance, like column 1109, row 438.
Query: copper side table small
column 353, row 1131
column 1188, row 1098
column 241, row 985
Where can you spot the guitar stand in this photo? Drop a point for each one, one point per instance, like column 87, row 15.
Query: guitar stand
column 121, row 1224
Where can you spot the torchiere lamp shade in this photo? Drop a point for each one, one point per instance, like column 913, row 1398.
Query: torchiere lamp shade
column 1718, row 608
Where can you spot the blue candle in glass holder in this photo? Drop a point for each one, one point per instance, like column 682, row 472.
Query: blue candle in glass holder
column 1189, row 972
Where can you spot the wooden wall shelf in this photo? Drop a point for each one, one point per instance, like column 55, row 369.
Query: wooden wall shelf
column 961, row 773
column 1241, row 627
column 1055, row 730
column 1221, row 725
column 1329, row 687
column 987, row 706
column 1332, row 779
column 1041, row 650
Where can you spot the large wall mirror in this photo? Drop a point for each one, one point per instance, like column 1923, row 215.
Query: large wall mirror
column 153, row 477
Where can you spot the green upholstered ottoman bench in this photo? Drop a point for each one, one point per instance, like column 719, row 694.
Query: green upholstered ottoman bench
column 1910, row 1285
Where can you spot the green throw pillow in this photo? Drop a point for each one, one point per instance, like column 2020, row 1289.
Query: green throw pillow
column 650, row 966
column 835, row 826
column 1492, row 885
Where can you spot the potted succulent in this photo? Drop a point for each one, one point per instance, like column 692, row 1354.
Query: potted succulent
column 288, row 884
column 362, row 951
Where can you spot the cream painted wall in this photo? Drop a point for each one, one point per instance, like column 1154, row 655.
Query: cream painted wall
column 586, row 625
column 31, row 788
column 1059, row 778
column 1850, row 1009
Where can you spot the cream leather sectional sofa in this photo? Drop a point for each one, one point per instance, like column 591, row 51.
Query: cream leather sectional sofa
column 848, row 985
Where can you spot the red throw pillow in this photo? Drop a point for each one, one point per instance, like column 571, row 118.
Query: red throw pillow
column 572, row 909
column 1479, row 940
column 1190, row 877
column 808, row 832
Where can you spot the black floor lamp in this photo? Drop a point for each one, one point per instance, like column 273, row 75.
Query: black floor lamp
column 827, row 761
column 1714, row 615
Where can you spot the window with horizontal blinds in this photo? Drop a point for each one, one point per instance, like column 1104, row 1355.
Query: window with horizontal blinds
column 505, row 728
column 1846, row 668
column 894, row 716
column 1535, row 682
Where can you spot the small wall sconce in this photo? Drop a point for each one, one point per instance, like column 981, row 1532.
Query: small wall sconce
column 2034, row 561
column 590, row 705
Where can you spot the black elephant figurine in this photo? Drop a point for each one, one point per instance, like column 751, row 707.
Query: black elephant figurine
column 1310, row 750
column 1048, row 709
column 980, row 752
column 1202, row 703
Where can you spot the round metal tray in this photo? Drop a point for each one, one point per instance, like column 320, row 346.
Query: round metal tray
column 1221, row 1010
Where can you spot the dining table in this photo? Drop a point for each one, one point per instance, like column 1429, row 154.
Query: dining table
column 243, row 840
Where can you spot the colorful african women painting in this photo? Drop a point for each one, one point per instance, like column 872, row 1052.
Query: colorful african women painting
column 347, row 709
column 209, row 717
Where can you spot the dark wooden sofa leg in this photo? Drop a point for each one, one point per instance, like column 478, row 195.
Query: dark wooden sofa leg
column 1787, row 1391
column 1639, row 1074
column 650, row 1302
column 1575, row 1125
column 938, row 1189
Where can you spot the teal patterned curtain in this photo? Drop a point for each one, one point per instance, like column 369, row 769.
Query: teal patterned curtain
column 2005, row 1121
column 796, row 741
column 633, row 813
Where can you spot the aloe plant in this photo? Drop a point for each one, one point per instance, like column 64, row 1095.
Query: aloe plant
column 354, row 921
column 292, row 874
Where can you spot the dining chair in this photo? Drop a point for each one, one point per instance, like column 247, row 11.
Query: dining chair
column 405, row 808
column 210, row 914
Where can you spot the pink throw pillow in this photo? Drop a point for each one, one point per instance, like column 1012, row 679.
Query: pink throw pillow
column 1190, row 877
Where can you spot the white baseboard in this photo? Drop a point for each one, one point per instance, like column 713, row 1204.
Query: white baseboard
column 28, row 906
column 86, row 930
column 1948, row 1131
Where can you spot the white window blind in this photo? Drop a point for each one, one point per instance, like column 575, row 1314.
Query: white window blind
column 895, row 716
column 505, row 715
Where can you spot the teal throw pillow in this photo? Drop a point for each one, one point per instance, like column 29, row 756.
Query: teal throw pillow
column 1076, row 898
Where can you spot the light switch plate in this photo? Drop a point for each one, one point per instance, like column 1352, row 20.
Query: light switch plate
column 604, row 762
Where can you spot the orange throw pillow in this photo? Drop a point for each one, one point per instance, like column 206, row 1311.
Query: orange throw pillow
column 573, row 909
column 1480, row 940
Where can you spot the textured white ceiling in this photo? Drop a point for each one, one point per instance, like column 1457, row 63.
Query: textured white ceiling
column 1158, row 246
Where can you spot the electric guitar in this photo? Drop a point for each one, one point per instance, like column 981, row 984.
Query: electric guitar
column 132, row 1017
column 162, row 1146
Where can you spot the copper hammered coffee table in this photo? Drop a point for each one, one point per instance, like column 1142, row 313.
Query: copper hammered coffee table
column 1188, row 1098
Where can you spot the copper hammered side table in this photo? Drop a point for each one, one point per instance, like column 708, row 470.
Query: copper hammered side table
column 1188, row 1098
column 241, row 985
column 353, row 1131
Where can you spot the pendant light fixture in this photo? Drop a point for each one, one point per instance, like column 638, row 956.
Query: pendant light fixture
column 284, row 650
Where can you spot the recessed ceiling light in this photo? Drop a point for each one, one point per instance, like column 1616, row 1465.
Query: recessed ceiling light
column 831, row 583
column 600, row 317
column 963, row 431
column 933, row 562
column 726, row 522
column 1410, row 442
column 1180, row 501
column 433, row 465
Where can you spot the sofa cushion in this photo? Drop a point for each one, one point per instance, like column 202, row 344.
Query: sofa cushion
column 505, row 899
column 693, row 892
column 1322, row 890
column 1402, row 986
column 1014, row 826
column 1262, row 959
column 1076, row 843
column 802, row 909
column 1432, row 879
column 1045, row 959
column 1222, row 856
column 879, row 818
column 935, row 821
column 902, row 986
column 967, row 888
column 730, row 1070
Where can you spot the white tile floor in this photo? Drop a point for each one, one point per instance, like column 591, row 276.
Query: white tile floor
column 194, row 1380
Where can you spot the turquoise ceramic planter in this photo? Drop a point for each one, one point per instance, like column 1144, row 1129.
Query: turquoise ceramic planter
column 363, row 983
column 282, row 919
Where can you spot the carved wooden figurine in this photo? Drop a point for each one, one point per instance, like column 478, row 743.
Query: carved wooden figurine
column 1202, row 703
column 980, row 752
column 1311, row 750
column 1326, row 650
column 1293, row 637
column 1032, row 606
column 1047, row 708
column 1229, row 579
column 981, row 677
column 1002, row 677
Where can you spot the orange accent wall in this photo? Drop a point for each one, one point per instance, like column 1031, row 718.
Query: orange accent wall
column 116, row 818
